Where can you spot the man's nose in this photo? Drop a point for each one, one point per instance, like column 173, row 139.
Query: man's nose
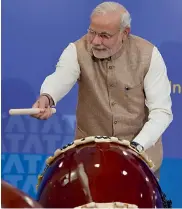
column 97, row 40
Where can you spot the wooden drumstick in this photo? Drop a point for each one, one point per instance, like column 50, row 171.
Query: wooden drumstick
column 27, row 111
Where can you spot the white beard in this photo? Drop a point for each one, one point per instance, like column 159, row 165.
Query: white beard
column 101, row 54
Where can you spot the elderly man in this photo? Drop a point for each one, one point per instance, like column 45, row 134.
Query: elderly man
column 124, row 90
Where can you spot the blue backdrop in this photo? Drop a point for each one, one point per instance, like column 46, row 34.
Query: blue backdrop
column 34, row 34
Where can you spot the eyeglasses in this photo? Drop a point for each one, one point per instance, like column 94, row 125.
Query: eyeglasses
column 102, row 35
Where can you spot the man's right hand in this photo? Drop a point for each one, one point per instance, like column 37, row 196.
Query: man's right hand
column 45, row 108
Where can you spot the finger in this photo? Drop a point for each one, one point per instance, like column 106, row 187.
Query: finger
column 43, row 102
column 47, row 114
column 37, row 105
column 41, row 115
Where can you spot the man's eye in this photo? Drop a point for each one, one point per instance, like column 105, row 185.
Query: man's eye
column 105, row 36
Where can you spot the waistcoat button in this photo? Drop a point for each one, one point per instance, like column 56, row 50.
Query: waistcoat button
column 113, row 103
column 127, row 88
column 111, row 67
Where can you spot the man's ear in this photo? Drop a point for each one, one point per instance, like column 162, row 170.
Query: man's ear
column 127, row 31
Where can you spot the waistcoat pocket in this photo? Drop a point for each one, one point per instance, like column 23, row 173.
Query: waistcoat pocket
column 135, row 98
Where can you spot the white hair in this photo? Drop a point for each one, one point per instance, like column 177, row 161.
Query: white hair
column 110, row 6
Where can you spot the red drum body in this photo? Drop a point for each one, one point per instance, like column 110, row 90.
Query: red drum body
column 102, row 171
column 14, row 198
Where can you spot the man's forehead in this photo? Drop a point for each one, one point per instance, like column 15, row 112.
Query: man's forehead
column 108, row 17
column 105, row 22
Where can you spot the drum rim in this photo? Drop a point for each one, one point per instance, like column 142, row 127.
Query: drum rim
column 107, row 205
column 97, row 139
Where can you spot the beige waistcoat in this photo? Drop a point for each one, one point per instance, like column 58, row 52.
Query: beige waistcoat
column 111, row 98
